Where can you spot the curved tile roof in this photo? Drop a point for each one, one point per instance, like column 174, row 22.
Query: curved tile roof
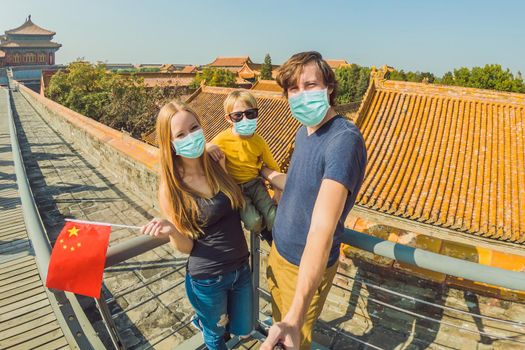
column 447, row 156
column 29, row 28
column 30, row 43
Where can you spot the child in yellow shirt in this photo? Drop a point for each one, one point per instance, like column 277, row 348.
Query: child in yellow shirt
column 246, row 152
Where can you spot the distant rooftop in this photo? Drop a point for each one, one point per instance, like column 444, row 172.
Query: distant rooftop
column 29, row 28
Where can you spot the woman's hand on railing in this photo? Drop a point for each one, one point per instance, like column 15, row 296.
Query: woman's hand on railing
column 160, row 228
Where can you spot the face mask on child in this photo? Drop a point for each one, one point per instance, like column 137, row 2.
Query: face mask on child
column 245, row 127
column 309, row 107
column 191, row 146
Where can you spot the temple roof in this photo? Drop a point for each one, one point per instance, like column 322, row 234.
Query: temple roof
column 189, row 69
column 230, row 61
column 29, row 28
column 30, row 43
column 334, row 64
column 447, row 156
column 266, row 85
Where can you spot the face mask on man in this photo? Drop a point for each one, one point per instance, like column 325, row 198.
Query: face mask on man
column 309, row 107
column 245, row 127
column 191, row 146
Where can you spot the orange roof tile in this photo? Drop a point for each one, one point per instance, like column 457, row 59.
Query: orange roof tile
column 334, row 64
column 230, row 61
column 267, row 85
column 29, row 28
column 189, row 69
column 448, row 156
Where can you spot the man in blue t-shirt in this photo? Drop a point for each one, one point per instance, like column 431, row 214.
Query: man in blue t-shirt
column 325, row 174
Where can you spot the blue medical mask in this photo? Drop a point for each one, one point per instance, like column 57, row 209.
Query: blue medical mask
column 191, row 146
column 245, row 127
column 309, row 107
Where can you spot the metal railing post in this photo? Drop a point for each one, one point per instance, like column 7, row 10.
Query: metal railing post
column 108, row 321
column 256, row 267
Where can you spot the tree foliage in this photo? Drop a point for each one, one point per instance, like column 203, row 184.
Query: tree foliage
column 416, row 77
column 266, row 68
column 120, row 101
column 352, row 83
column 491, row 76
column 214, row 77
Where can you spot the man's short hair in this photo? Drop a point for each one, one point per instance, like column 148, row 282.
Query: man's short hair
column 289, row 72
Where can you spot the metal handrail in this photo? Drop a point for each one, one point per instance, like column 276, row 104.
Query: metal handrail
column 436, row 262
column 413, row 256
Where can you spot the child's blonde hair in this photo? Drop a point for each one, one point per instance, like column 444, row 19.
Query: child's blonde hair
column 237, row 95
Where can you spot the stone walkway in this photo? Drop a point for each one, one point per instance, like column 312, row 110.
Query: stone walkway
column 66, row 183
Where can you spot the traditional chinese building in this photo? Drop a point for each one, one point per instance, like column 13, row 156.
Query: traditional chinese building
column 27, row 45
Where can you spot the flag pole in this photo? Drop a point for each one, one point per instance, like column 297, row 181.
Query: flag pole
column 104, row 224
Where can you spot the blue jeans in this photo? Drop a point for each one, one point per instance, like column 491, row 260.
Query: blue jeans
column 223, row 304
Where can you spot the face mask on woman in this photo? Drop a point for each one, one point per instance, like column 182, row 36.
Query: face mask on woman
column 309, row 107
column 191, row 146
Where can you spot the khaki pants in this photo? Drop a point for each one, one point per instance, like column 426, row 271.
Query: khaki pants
column 282, row 281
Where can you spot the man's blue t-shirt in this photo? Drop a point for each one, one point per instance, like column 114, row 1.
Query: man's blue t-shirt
column 335, row 151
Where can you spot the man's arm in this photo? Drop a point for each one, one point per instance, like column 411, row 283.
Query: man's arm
column 328, row 208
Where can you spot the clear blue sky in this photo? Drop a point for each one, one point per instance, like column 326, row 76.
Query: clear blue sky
column 423, row 35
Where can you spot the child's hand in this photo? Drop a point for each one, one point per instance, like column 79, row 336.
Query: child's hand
column 214, row 151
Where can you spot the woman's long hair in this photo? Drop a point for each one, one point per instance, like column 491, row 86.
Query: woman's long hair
column 182, row 209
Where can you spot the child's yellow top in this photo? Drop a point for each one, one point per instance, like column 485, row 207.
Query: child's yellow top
column 244, row 156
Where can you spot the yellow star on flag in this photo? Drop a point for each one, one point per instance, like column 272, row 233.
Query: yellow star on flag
column 73, row 231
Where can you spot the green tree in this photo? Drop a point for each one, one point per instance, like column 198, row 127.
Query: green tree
column 416, row 77
column 214, row 77
column 491, row 76
column 352, row 83
column 266, row 68
column 122, row 102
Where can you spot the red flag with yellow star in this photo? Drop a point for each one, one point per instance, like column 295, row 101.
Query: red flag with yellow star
column 78, row 258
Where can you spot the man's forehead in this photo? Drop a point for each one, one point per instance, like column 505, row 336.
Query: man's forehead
column 308, row 72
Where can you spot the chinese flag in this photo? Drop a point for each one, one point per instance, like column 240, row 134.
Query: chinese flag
column 78, row 258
